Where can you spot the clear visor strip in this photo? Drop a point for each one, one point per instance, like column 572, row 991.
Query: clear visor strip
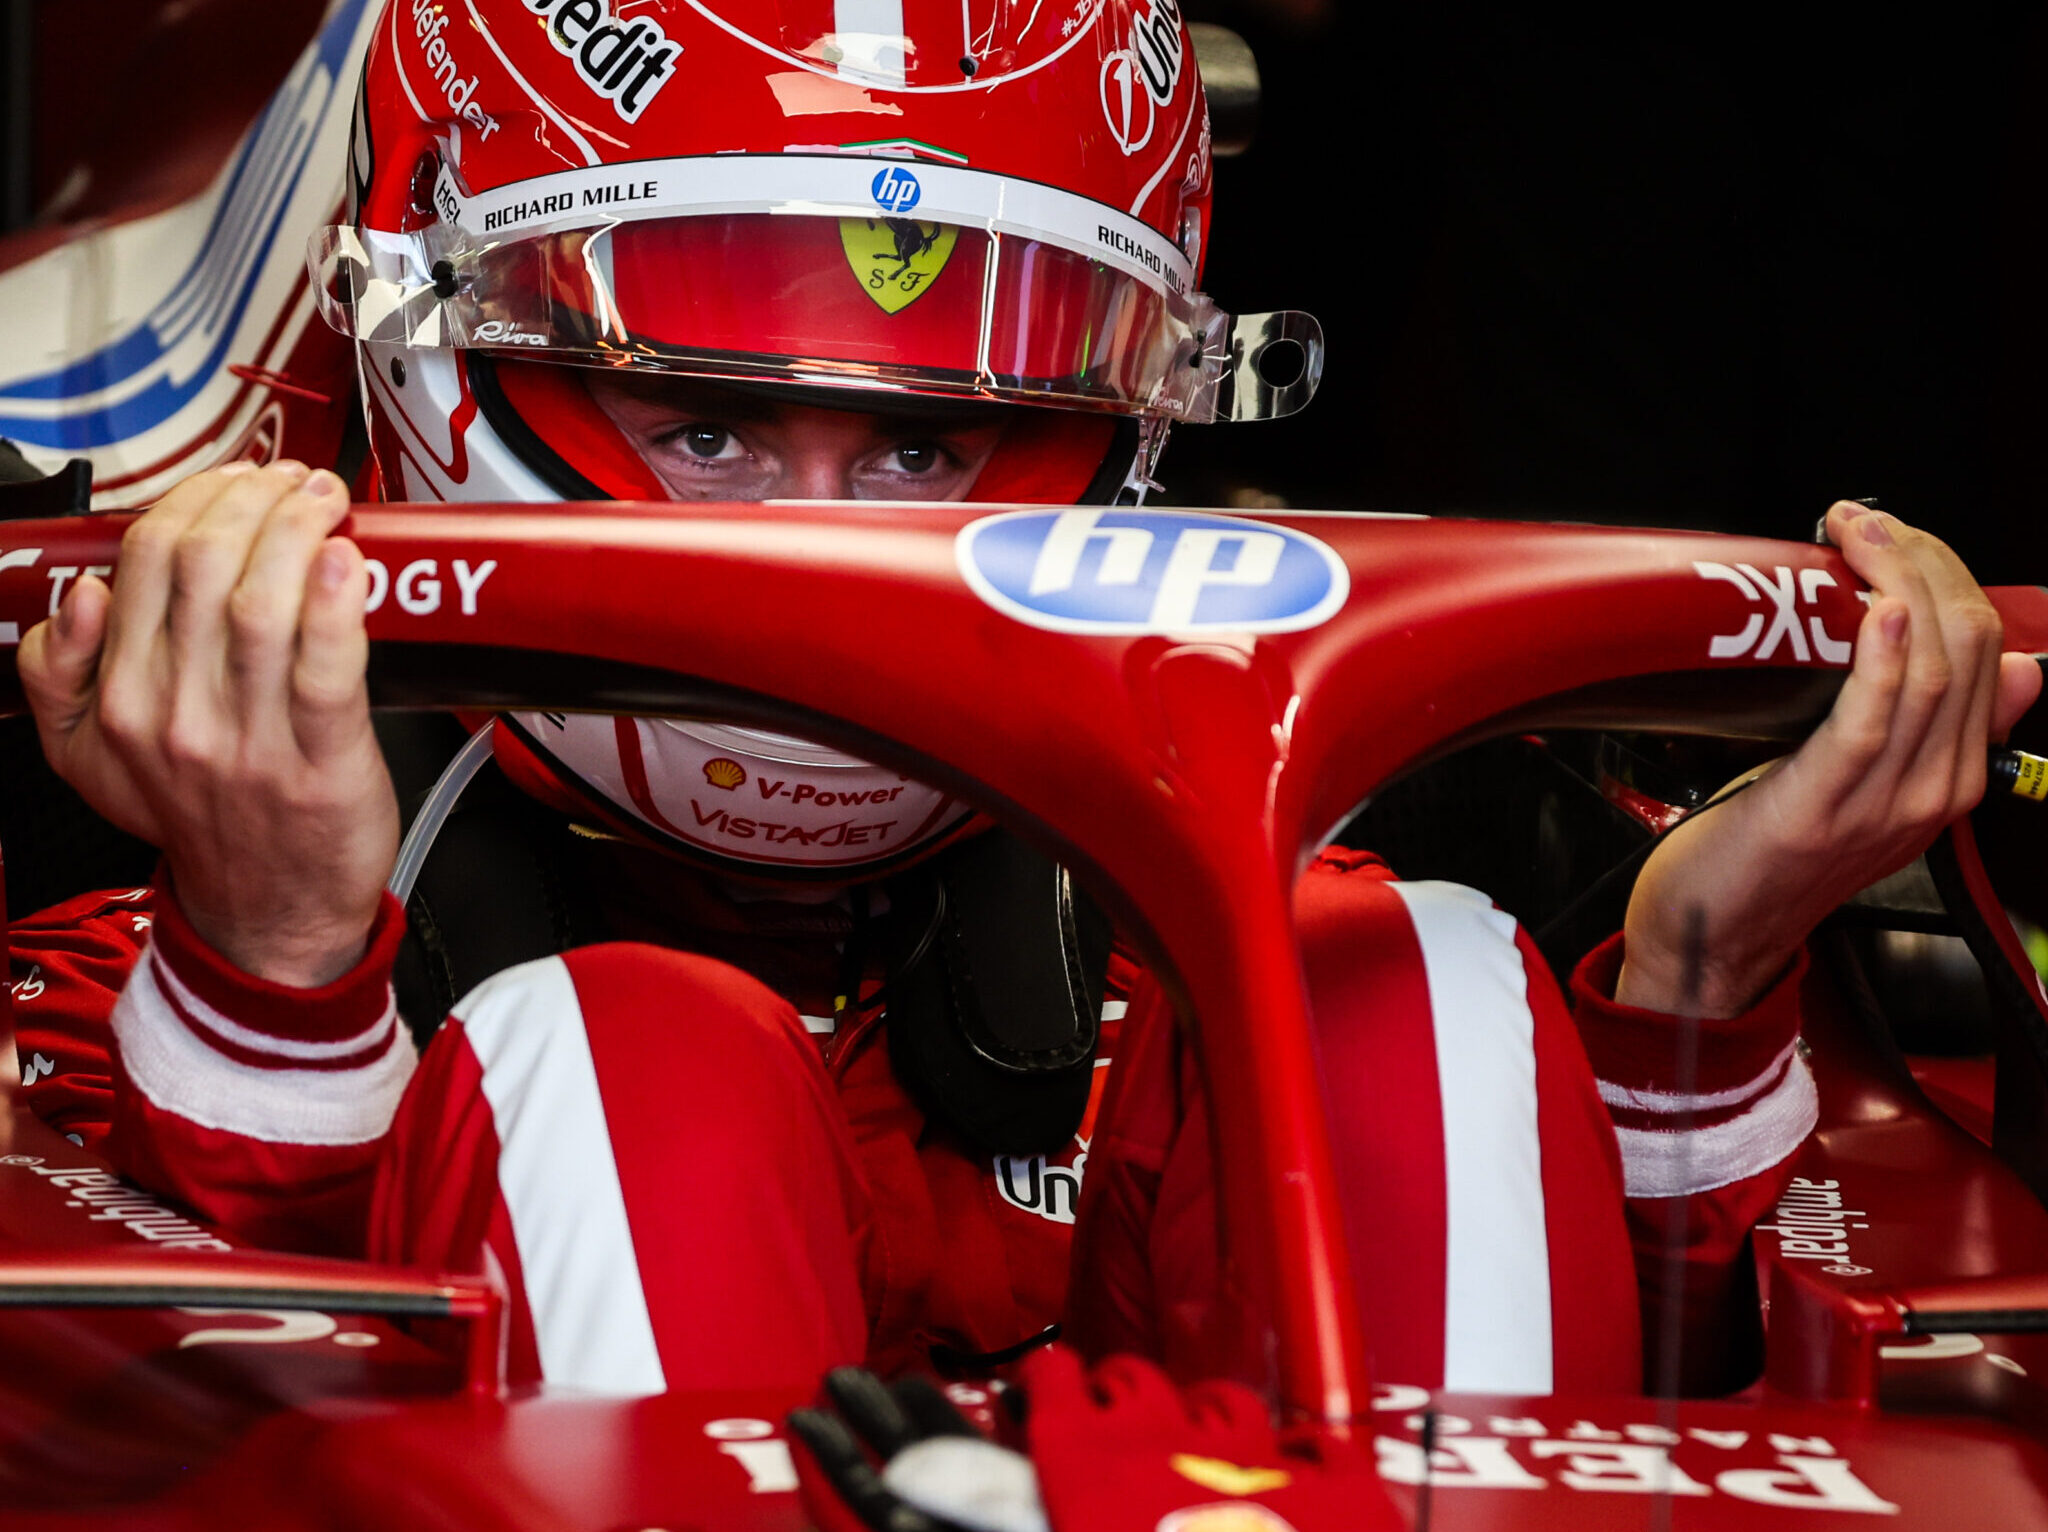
column 413, row 289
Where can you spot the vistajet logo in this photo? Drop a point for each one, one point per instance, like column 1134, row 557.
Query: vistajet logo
column 626, row 64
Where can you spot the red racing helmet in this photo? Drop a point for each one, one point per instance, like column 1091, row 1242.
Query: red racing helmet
column 981, row 199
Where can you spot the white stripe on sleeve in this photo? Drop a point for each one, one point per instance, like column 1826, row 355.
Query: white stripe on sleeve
column 1675, row 1164
column 1671, row 1103
column 186, row 999
column 181, row 1073
column 560, row 1181
column 1497, row 1259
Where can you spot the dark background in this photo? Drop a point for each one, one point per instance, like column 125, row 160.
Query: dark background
column 1712, row 270
column 1715, row 274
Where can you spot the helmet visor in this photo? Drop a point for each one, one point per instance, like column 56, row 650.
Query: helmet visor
column 854, row 297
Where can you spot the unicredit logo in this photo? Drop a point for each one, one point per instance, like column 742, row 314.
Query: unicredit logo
column 1136, row 571
column 627, row 64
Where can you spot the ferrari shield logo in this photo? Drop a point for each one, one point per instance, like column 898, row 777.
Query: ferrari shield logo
column 896, row 259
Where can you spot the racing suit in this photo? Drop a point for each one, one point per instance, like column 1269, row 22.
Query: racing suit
column 642, row 1136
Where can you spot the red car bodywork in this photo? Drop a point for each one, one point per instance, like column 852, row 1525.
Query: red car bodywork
column 1187, row 778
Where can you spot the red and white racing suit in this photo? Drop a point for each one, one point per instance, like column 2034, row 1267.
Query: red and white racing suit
column 689, row 1184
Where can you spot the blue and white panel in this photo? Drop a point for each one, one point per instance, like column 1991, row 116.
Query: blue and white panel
column 115, row 345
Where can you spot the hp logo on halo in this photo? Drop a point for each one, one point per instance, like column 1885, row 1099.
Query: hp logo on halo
column 1137, row 571
column 896, row 190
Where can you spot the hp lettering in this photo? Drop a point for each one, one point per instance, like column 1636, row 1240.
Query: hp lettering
column 896, row 190
column 1135, row 571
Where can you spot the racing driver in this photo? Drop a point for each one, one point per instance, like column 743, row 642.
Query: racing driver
column 667, row 255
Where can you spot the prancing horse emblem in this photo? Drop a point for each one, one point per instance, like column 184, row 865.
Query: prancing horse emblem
column 897, row 276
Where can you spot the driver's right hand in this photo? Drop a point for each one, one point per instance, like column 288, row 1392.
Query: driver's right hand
column 213, row 702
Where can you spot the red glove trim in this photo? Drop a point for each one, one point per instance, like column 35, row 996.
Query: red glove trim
column 1635, row 1049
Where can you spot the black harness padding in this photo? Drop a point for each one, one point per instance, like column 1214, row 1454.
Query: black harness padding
column 56, row 845
column 500, row 888
column 28, row 493
column 996, row 966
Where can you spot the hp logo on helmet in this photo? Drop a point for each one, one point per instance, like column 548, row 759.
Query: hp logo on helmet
column 1137, row 571
column 896, row 190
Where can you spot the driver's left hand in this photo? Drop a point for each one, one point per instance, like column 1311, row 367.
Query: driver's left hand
column 1901, row 755
column 1103, row 1449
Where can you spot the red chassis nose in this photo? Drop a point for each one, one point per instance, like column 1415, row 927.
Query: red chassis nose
column 1187, row 764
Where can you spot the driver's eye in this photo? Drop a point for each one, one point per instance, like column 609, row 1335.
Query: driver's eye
column 917, row 457
column 705, row 441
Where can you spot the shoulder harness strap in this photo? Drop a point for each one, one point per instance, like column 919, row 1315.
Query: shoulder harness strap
column 996, row 970
column 498, row 889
